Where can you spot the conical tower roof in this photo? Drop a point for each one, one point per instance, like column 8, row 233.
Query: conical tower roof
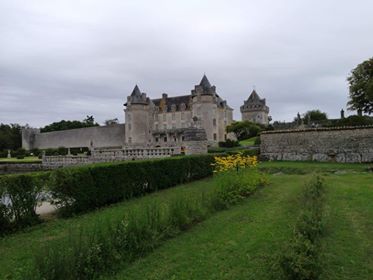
column 136, row 91
column 205, row 83
column 254, row 96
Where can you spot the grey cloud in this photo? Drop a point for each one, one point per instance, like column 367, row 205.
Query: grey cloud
column 68, row 59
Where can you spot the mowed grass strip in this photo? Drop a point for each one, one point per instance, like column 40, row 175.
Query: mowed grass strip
column 16, row 250
column 241, row 243
column 348, row 242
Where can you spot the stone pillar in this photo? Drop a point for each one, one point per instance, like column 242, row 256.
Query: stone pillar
column 9, row 154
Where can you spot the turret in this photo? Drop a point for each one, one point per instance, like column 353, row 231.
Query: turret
column 137, row 118
column 255, row 109
column 205, row 109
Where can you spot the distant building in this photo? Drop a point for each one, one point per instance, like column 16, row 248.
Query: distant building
column 255, row 109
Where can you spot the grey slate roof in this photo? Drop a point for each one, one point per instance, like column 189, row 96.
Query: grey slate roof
column 177, row 100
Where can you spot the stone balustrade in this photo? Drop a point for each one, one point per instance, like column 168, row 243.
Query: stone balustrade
column 109, row 155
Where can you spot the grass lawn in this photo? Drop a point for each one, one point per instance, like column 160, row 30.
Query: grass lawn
column 243, row 242
column 348, row 240
column 17, row 249
column 248, row 142
column 15, row 160
column 240, row 243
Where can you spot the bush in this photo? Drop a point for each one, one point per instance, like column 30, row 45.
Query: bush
column 229, row 144
column 18, row 199
column 3, row 153
column 301, row 258
column 80, row 189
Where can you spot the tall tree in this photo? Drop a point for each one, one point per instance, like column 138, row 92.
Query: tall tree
column 314, row 116
column 64, row 125
column 361, row 87
column 10, row 136
column 243, row 129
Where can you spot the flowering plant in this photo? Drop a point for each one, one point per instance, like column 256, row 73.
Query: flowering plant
column 234, row 162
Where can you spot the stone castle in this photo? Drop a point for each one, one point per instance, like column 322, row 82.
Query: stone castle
column 199, row 117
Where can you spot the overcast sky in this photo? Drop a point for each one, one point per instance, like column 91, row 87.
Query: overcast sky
column 68, row 59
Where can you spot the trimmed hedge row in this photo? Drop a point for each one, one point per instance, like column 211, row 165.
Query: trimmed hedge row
column 88, row 187
column 80, row 189
column 18, row 199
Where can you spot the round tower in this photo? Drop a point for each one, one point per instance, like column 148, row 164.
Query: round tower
column 137, row 119
column 204, row 109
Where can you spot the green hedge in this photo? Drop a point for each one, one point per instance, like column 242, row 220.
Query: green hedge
column 22, row 191
column 80, row 189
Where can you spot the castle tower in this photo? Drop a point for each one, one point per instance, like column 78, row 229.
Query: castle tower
column 255, row 110
column 137, row 118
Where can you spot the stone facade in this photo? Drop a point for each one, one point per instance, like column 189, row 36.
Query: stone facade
column 161, row 122
column 342, row 144
column 255, row 109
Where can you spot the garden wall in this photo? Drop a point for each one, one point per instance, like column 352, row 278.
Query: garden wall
column 97, row 136
column 340, row 144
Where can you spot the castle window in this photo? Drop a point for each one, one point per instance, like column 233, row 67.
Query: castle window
column 156, row 126
column 165, row 139
column 165, row 126
column 174, row 138
column 214, row 122
column 174, row 125
column 156, row 139
column 182, row 138
column 129, row 139
column 215, row 136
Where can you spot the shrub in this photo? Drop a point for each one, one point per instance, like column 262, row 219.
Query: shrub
column 18, row 199
column 229, row 144
column 3, row 153
column 80, row 189
column 62, row 151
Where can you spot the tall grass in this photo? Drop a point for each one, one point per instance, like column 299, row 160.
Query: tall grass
column 300, row 260
column 88, row 253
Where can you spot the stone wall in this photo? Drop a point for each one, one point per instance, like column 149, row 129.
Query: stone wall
column 108, row 155
column 9, row 168
column 341, row 144
column 99, row 136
